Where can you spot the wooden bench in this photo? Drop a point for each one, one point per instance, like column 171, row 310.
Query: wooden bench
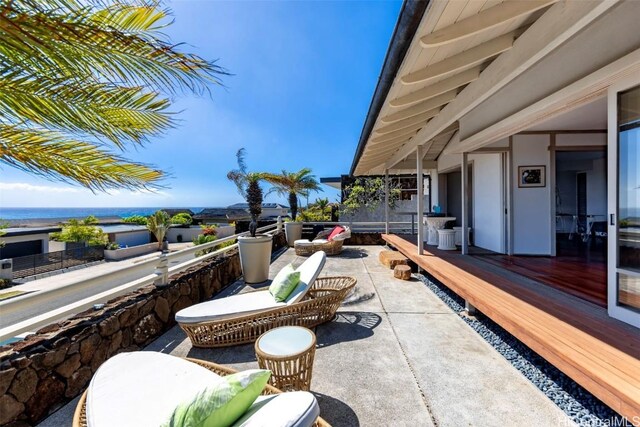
column 392, row 258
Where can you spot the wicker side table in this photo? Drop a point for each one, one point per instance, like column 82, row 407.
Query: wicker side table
column 288, row 352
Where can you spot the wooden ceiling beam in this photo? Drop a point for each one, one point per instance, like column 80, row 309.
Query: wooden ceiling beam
column 483, row 21
column 409, row 122
column 402, row 138
column 437, row 89
column 423, row 107
column 557, row 25
column 463, row 60
column 408, row 132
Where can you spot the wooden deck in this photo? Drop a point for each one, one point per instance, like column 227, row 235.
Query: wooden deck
column 598, row 352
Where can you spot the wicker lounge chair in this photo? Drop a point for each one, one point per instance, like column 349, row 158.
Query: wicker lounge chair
column 139, row 358
column 320, row 243
column 241, row 319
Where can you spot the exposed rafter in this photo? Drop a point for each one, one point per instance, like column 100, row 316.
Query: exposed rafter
column 463, row 60
column 437, row 89
column 423, row 107
column 483, row 21
column 558, row 24
column 408, row 132
column 409, row 122
column 401, row 138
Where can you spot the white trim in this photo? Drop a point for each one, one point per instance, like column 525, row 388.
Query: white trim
column 616, row 311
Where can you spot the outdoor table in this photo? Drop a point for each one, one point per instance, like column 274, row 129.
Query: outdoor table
column 435, row 223
column 288, row 352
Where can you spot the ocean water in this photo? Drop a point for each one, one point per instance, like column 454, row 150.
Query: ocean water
column 45, row 213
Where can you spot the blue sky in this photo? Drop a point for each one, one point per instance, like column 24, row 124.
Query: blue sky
column 303, row 77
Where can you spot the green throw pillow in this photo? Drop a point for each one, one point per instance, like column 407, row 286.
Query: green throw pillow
column 284, row 283
column 222, row 404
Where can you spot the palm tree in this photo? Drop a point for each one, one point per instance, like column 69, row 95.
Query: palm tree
column 292, row 185
column 80, row 78
column 248, row 185
column 159, row 224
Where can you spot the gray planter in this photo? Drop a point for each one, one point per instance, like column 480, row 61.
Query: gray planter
column 293, row 231
column 255, row 257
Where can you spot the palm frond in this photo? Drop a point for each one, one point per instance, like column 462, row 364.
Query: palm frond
column 54, row 156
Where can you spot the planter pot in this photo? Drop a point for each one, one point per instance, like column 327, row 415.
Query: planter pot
column 293, row 231
column 255, row 257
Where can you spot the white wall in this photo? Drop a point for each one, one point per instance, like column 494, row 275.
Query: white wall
column 133, row 238
column 531, row 206
column 488, row 216
column 597, row 188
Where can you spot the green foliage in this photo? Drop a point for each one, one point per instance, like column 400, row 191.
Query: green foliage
column 368, row 193
column 112, row 246
column 201, row 239
column 209, row 230
column 135, row 219
column 182, row 218
column 248, row 185
column 293, row 185
column 158, row 224
column 3, row 225
column 79, row 75
column 81, row 231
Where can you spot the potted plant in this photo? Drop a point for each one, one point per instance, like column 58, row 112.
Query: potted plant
column 255, row 249
column 292, row 185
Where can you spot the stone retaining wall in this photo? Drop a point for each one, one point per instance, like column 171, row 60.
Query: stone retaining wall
column 49, row 368
column 365, row 239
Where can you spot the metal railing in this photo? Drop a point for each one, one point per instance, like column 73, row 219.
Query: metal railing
column 31, row 265
column 158, row 277
column 368, row 226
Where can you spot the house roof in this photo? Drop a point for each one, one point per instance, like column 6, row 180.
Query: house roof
column 434, row 73
column 26, row 231
column 226, row 213
column 264, row 206
column 123, row 228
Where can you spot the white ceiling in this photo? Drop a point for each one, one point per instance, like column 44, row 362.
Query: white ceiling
column 588, row 116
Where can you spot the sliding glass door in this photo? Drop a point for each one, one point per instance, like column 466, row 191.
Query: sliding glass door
column 624, row 203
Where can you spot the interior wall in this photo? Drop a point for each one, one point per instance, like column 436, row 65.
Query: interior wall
column 531, row 206
column 488, row 216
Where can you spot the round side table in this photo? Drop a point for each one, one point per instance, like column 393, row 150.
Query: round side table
column 288, row 352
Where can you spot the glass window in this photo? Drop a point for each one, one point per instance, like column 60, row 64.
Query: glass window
column 629, row 197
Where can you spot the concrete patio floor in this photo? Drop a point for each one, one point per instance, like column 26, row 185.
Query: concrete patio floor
column 395, row 355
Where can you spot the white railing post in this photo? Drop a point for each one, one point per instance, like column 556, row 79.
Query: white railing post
column 279, row 224
column 465, row 203
column 162, row 271
column 386, row 201
column 420, row 198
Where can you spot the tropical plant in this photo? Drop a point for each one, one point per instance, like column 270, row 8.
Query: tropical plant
column 158, row 224
column 81, row 231
column 135, row 219
column 79, row 78
column 248, row 185
column 182, row 218
column 293, row 185
column 369, row 193
column 209, row 230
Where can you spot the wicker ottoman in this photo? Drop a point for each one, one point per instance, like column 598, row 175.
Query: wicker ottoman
column 288, row 352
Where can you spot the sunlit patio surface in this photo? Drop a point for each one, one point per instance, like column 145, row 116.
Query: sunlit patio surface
column 395, row 355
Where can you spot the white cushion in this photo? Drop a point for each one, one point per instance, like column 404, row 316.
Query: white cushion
column 302, row 242
column 294, row 409
column 229, row 307
column 309, row 272
column 320, row 241
column 142, row 389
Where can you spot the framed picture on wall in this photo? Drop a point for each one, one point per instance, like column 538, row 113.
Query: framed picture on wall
column 532, row 176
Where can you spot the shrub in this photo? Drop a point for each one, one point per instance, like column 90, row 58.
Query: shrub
column 209, row 230
column 183, row 219
column 85, row 231
column 135, row 219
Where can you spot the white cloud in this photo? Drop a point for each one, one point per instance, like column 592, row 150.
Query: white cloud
column 23, row 186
